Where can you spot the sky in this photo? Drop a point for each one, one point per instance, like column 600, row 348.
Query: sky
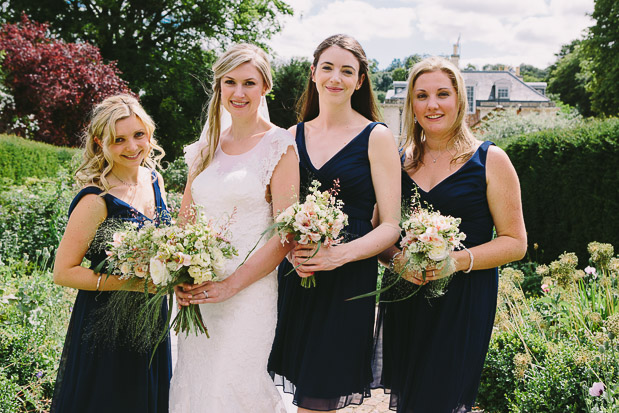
column 509, row 32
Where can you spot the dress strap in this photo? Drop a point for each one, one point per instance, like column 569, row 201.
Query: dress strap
column 162, row 215
column 85, row 191
column 483, row 151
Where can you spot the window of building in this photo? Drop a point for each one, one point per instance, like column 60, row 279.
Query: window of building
column 470, row 99
column 503, row 93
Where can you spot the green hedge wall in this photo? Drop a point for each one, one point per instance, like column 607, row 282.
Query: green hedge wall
column 21, row 158
column 570, row 181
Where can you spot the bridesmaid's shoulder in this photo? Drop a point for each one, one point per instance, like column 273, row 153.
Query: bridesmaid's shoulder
column 381, row 134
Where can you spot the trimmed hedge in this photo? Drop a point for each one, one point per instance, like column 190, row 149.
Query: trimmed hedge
column 569, row 180
column 21, row 158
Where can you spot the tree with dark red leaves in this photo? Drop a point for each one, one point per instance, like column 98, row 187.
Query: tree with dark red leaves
column 58, row 82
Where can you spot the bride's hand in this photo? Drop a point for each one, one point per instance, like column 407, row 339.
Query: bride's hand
column 309, row 261
column 212, row 292
column 184, row 293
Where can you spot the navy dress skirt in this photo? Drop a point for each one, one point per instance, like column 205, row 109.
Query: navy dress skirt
column 102, row 379
column 430, row 351
column 322, row 350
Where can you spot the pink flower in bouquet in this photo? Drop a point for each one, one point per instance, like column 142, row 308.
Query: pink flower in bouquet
column 118, row 238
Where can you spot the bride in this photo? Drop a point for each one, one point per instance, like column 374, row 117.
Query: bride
column 246, row 172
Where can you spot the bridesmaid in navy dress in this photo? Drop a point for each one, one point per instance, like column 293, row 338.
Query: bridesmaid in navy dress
column 430, row 351
column 323, row 345
column 116, row 186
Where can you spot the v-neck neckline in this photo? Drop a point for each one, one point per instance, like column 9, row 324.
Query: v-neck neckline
column 448, row 176
column 309, row 159
column 137, row 210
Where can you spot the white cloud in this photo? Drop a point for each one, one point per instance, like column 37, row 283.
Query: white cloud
column 303, row 32
column 492, row 31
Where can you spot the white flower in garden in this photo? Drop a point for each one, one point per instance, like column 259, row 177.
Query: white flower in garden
column 159, row 272
column 591, row 271
column 597, row 389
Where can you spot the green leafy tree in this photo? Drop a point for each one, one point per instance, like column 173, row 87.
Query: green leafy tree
column 399, row 74
column 411, row 60
column 382, row 81
column 163, row 47
column 602, row 47
column 568, row 77
column 471, row 66
column 289, row 80
column 532, row 74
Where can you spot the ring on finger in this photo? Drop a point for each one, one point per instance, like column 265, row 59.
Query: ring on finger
column 205, row 294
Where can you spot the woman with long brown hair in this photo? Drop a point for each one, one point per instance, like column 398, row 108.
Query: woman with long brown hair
column 323, row 343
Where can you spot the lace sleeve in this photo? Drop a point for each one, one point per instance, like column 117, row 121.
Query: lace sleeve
column 193, row 154
column 279, row 143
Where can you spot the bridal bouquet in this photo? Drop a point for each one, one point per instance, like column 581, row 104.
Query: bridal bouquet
column 428, row 241
column 317, row 220
column 168, row 256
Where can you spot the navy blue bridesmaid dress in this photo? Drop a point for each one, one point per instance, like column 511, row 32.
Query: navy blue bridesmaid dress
column 323, row 344
column 102, row 379
column 430, row 351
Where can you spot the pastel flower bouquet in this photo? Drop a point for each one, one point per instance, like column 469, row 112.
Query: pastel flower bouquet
column 429, row 238
column 319, row 220
column 164, row 257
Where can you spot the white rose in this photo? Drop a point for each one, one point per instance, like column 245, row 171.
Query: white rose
column 158, row 272
column 125, row 268
column 219, row 263
column 439, row 250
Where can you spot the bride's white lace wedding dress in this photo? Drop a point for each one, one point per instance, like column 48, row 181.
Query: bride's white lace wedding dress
column 228, row 371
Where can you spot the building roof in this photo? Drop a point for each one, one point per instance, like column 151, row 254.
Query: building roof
column 485, row 80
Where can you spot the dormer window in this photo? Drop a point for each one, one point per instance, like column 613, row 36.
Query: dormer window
column 502, row 93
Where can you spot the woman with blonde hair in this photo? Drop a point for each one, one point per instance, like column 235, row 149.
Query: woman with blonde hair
column 430, row 351
column 244, row 168
column 119, row 183
column 323, row 344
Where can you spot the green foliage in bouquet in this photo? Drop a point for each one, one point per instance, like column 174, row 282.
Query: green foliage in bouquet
column 569, row 178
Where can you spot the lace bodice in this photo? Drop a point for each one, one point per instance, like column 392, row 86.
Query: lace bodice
column 228, row 372
column 234, row 186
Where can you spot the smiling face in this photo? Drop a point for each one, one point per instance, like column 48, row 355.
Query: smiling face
column 241, row 90
column 435, row 104
column 132, row 143
column 337, row 74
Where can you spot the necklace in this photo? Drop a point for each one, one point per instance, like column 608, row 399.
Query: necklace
column 440, row 153
column 131, row 185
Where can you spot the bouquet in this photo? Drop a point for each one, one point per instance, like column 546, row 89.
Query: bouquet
column 168, row 256
column 429, row 238
column 317, row 220
column 428, row 242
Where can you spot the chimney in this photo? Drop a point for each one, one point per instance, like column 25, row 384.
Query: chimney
column 455, row 57
column 518, row 72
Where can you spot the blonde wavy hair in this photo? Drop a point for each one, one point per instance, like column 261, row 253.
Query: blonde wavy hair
column 97, row 162
column 230, row 60
column 462, row 138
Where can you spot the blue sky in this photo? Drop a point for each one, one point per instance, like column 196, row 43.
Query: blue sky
column 491, row 31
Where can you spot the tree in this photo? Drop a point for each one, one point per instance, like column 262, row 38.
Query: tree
column 160, row 46
column 289, row 80
column 532, row 74
column 399, row 74
column 567, row 78
column 411, row 60
column 382, row 81
column 470, row 66
column 602, row 48
column 56, row 81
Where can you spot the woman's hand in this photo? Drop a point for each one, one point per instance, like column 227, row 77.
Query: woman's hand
column 208, row 292
column 433, row 273
column 309, row 261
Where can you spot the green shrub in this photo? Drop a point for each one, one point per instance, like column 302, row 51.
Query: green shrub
column 569, row 180
column 21, row 158
column 33, row 216
column 175, row 175
column 34, row 314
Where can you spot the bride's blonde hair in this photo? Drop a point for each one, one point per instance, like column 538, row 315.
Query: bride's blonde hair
column 230, row 60
column 97, row 162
